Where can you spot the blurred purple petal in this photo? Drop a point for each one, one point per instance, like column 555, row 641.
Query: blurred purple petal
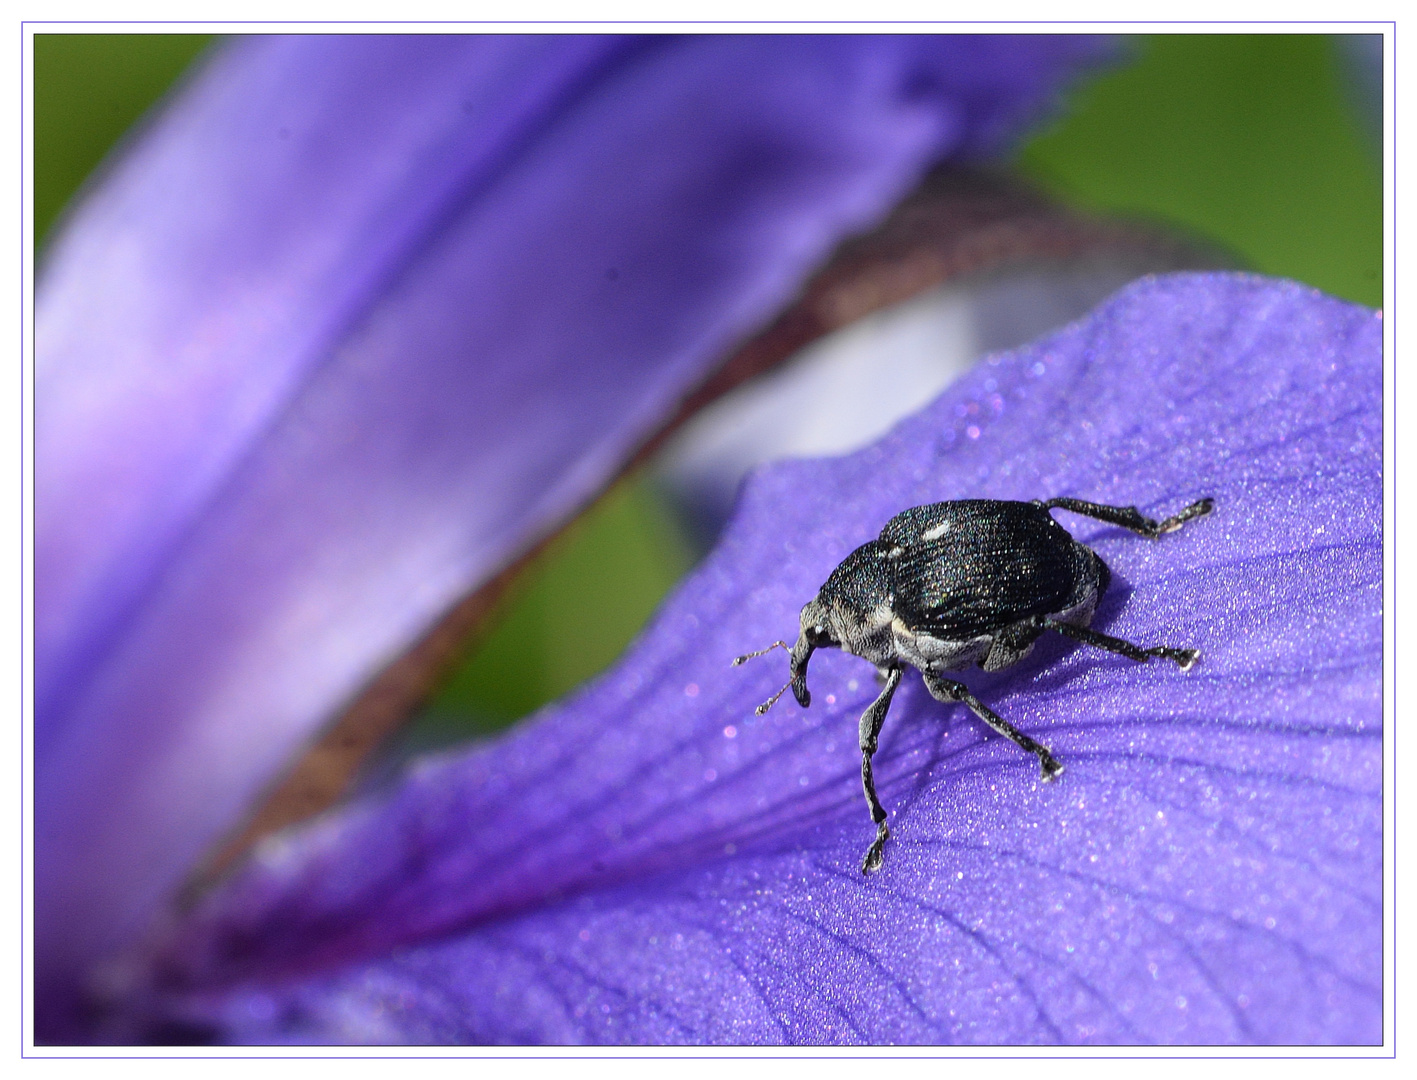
column 650, row 863
column 360, row 318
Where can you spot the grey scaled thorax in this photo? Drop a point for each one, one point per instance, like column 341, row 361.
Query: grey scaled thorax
column 953, row 585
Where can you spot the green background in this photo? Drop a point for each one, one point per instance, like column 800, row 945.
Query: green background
column 1251, row 141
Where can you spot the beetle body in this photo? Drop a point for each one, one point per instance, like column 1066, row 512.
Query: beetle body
column 957, row 584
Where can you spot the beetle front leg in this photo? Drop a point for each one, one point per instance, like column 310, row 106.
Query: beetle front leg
column 948, row 691
column 871, row 721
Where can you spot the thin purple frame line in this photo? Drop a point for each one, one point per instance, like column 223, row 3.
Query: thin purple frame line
column 714, row 22
column 1389, row 99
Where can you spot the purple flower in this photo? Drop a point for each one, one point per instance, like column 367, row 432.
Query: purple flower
column 354, row 323
column 647, row 862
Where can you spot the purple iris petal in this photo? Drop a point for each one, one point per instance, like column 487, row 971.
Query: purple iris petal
column 355, row 322
column 648, row 862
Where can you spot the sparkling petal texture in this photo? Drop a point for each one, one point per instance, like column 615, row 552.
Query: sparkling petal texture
column 355, row 321
column 649, row 862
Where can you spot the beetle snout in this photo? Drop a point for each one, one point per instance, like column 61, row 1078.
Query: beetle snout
column 801, row 653
column 814, row 635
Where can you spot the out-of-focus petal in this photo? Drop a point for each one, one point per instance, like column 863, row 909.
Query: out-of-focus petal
column 648, row 862
column 360, row 318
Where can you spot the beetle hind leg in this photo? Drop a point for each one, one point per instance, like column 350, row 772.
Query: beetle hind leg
column 949, row 691
column 1183, row 658
column 1129, row 517
column 871, row 721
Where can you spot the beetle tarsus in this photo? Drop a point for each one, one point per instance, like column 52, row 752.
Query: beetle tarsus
column 1184, row 659
column 876, row 853
column 1199, row 508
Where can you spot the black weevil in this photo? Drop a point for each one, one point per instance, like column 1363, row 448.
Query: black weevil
column 974, row 581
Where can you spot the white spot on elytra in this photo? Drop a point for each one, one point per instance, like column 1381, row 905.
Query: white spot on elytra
column 936, row 531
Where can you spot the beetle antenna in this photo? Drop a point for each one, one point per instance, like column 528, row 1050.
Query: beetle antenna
column 748, row 656
column 770, row 702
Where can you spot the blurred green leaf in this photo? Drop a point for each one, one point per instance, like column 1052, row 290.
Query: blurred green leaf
column 1248, row 139
column 573, row 611
column 88, row 90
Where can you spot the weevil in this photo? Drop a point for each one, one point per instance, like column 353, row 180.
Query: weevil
column 954, row 584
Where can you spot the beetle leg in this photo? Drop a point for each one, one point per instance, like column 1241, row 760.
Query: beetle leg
column 871, row 721
column 1184, row 658
column 1012, row 644
column 1129, row 517
column 947, row 690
